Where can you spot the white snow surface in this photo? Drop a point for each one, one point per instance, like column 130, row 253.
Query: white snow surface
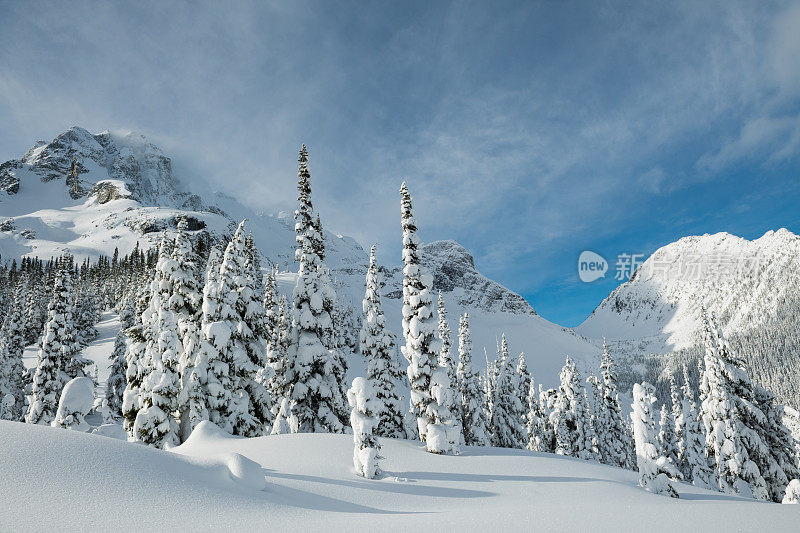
column 310, row 484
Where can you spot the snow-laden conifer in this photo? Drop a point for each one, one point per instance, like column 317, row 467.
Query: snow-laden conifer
column 156, row 422
column 473, row 403
column 377, row 346
column 730, row 417
column 570, row 417
column 312, row 389
column 692, row 459
column 536, row 423
column 615, row 443
column 85, row 318
column 656, row 472
column 421, row 348
column 364, row 421
column 115, row 384
column 444, row 427
column 507, row 411
column 12, row 346
column 57, row 350
column 667, row 444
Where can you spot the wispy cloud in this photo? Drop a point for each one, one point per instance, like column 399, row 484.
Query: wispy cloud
column 525, row 130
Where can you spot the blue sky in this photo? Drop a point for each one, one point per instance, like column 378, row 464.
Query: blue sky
column 527, row 131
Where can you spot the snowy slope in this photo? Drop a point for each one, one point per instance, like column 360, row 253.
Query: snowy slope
column 130, row 195
column 742, row 281
column 310, row 485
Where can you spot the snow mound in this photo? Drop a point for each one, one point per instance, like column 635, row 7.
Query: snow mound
column 207, row 437
column 206, row 432
column 112, row 431
column 242, row 470
column 76, row 401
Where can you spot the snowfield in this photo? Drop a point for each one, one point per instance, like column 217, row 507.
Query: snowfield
column 311, row 485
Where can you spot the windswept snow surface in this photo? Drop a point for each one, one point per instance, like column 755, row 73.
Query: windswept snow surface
column 311, row 486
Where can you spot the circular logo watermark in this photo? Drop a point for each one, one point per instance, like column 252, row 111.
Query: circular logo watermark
column 591, row 266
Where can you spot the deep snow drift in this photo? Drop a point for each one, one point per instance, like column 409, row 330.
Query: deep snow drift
column 310, row 484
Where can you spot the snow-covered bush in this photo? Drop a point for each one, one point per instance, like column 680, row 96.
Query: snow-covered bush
column 77, row 400
column 363, row 420
column 792, row 494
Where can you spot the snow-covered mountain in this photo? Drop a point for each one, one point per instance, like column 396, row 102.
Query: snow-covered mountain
column 743, row 282
column 127, row 193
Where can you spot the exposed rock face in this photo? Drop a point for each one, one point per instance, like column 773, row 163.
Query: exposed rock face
column 9, row 183
column 146, row 172
column 453, row 270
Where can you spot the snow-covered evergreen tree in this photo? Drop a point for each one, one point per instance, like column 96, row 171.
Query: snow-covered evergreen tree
column 507, row 412
column 57, row 350
column 241, row 312
column 85, row 319
column 537, row 424
column 444, row 427
column 186, row 299
column 446, row 358
column 656, row 472
column 730, row 416
column 364, row 421
column 135, row 372
column 115, row 384
column 473, row 403
column 667, row 444
column 311, row 379
column 522, row 385
column 377, row 346
column 547, row 402
column 35, row 312
column 12, row 346
column 615, row 441
column 692, row 459
column 279, row 357
column 272, row 353
column 156, row 422
column 570, row 417
column 781, row 463
column 421, row 348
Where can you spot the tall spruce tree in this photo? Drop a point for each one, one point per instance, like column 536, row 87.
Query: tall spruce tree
column 732, row 420
column 312, row 389
column 667, row 444
column 57, row 350
column 473, row 403
column 570, row 417
column 421, row 348
column 448, row 362
column 692, row 458
column 616, row 443
column 156, row 422
column 115, row 384
column 507, row 411
column 656, row 472
column 377, row 346
column 536, row 421
column 12, row 346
